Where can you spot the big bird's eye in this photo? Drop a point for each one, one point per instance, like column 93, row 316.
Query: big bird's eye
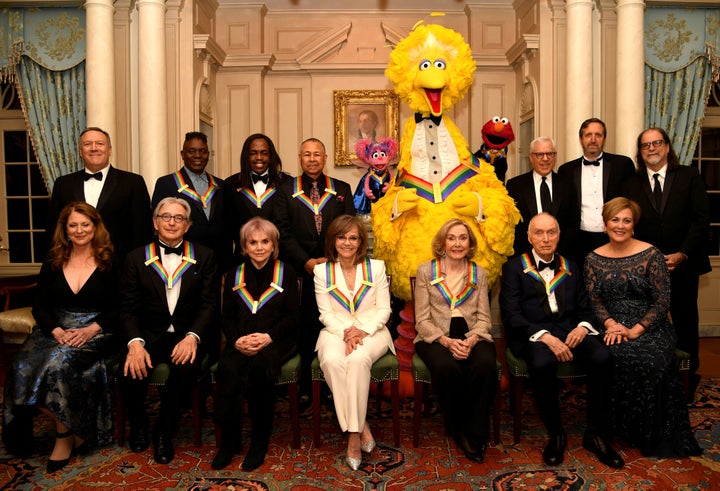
column 496, row 119
column 375, row 155
column 425, row 64
column 504, row 120
column 440, row 64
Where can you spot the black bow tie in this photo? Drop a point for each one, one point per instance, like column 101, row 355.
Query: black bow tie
column 179, row 250
column 543, row 265
column 98, row 175
column 435, row 119
column 257, row 177
column 591, row 162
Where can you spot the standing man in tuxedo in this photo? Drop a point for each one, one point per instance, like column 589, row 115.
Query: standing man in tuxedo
column 307, row 205
column 676, row 219
column 597, row 177
column 548, row 320
column 119, row 196
column 560, row 201
column 203, row 192
column 169, row 303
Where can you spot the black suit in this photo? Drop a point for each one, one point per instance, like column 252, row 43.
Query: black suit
column 144, row 313
column 616, row 170
column 525, row 310
column 681, row 225
column 205, row 231
column 124, row 206
column 564, row 209
column 300, row 242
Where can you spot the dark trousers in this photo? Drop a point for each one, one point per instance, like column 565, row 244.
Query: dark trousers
column 684, row 311
column 586, row 242
column 593, row 356
column 465, row 388
column 239, row 377
column 177, row 388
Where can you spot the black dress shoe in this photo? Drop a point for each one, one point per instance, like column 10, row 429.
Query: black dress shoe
column 138, row 441
column 222, row 458
column 554, row 452
column 255, row 456
column 602, row 449
column 164, row 450
column 468, row 448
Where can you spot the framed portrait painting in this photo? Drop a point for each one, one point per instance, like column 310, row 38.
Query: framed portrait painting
column 363, row 114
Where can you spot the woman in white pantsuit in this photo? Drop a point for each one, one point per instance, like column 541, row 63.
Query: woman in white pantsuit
column 354, row 303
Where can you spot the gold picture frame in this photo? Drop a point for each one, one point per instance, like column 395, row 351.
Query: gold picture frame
column 350, row 106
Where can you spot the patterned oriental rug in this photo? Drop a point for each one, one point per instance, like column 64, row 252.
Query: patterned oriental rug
column 437, row 465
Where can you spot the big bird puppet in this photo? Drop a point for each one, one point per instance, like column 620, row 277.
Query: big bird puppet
column 438, row 177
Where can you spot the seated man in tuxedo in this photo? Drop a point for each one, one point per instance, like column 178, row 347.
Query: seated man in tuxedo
column 168, row 314
column 548, row 320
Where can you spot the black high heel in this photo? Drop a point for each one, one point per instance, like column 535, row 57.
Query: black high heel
column 56, row 465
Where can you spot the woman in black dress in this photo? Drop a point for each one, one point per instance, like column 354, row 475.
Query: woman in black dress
column 60, row 368
column 629, row 287
column 259, row 320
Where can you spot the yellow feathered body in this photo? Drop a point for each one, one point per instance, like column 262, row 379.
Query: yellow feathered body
column 431, row 69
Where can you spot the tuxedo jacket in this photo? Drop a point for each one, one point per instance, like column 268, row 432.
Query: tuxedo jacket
column 299, row 239
column 205, row 231
column 525, row 308
column 683, row 221
column 144, row 311
column 564, row 209
column 124, row 206
column 239, row 208
column 432, row 312
column 616, row 170
column 371, row 315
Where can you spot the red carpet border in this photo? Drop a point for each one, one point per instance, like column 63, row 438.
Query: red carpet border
column 437, row 465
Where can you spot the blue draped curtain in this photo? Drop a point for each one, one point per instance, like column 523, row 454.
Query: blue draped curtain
column 43, row 52
column 680, row 65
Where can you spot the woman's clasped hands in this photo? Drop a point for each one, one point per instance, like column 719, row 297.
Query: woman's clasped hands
column 252, row 344
column 459, row 348
column 353, row 338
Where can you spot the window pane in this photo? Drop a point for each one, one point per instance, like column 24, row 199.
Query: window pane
column 714, row 200
column 18, row 214
column 711, row 143
column 39, row 213
column 39, row 241
column 19, row 247
column 16, row 181
column 711, row 175
column 37, row 184
column 714, row 242
column 16, row 146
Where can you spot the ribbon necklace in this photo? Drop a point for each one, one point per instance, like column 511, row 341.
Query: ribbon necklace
column 563, row 271
column 316, row 208
column 258, row 200
column 241, row 289
column 152, row 258
column 437, row 192
column 362, row 292
column 378, row 177
column 439, row 280
column 187, row 190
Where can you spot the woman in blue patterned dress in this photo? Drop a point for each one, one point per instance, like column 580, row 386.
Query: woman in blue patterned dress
column 60, row 368
column 629, row 287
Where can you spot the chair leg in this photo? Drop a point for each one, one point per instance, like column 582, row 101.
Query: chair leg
column 685, row 375
column 496, row 417
column 517, row 394
column 316, row 412
column 416, row 413
column 294, row 414
column 119, row 415
column 378, row 399
column 196, row 415
column 395, row 391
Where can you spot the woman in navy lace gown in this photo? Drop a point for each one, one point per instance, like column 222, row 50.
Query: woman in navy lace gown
column 60, row 368
column 629, row 287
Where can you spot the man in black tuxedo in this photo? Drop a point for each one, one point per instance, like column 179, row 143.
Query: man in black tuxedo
column 302, row 226
column 548, row 320
column 120, row 197
column 597, row 177
column 169, row 301
column 676, row 219
column 203, row 192
column 526, row 190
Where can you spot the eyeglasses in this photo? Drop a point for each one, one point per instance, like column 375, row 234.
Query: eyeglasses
column 655, row 144
column 544, row 155
column 199, row 151
column 349, row 238
column 166, row 217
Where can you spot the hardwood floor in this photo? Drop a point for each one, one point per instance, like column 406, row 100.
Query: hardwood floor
column 709, row 357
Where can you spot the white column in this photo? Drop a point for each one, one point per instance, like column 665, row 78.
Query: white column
column 579, row 75
column 152, row 90
column 630, row 83
column 100, row 65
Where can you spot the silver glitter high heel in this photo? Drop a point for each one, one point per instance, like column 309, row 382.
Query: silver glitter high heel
column 368, row 447
column 352, row 462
